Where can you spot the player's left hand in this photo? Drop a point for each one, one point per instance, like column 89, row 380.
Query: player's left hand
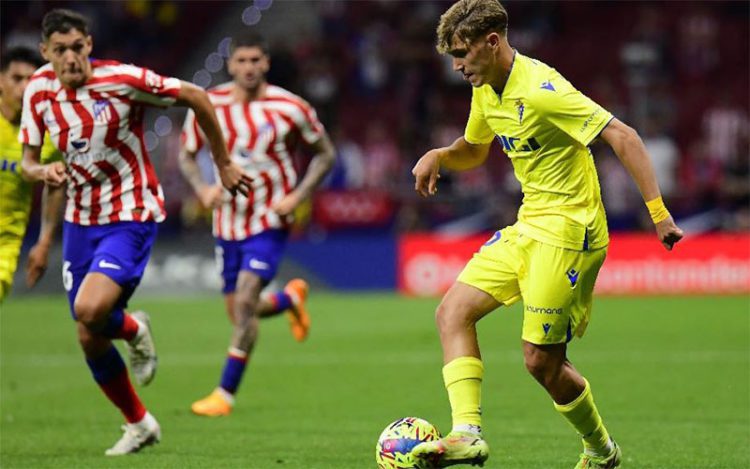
column 669, row 233
column 287, row 205
column 36, row 264
column 234, row 179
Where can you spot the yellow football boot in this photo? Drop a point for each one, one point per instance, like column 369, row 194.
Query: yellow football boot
column 455, row 448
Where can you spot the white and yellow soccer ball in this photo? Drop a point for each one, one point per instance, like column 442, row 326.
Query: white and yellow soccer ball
column 393, row 450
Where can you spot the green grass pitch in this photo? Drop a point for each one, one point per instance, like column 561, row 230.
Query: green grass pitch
column 670, row 376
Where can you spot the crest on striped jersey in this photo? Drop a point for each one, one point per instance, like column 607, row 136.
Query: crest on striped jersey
column 102, row 111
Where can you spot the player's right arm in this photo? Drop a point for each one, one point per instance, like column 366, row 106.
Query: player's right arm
column 191, row 142
column 466, row 152
column 32, row 138
column 232, row 176
column 459, row 156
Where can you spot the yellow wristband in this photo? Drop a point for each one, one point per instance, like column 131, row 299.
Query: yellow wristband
column 657, row 210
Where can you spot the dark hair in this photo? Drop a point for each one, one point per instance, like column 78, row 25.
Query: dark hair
column 248, row 39
column 20, row 54
column 61, row 20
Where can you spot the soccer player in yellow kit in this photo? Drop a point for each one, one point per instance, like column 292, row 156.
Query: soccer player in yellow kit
column 551, row 257
column 16, row 67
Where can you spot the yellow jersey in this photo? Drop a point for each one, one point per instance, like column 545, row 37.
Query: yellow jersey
column 545, row 126
column 15, row 193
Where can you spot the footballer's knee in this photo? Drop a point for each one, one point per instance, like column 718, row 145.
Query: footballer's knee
column 443, row 317
column 90, row 313
column 451, row 315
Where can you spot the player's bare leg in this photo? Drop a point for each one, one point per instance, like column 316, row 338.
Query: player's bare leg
column 299, row 318
column 246, row 305
column 245, row 302
column 456, row 319
column 570, row 391
column 93, row 306
column 549, row 365
column 96, row 297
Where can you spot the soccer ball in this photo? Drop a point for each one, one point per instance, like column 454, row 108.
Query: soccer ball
column 393, row 450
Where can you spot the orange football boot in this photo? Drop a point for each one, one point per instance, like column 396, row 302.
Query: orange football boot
column 299, row 320
column 214, row 405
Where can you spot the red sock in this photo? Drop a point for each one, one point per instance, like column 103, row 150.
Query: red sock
column 129, row 328
column 121, row 393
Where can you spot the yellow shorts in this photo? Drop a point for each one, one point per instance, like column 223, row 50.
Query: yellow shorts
column 556, row 284
column 10, row 247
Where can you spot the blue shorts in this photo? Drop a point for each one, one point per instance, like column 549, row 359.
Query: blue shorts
column 259, row 254
column 118, row 250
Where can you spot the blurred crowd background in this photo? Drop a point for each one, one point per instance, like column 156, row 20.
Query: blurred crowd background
column 677, row 71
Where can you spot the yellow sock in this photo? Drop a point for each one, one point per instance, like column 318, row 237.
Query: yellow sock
column 583, row 416
column 463, row 380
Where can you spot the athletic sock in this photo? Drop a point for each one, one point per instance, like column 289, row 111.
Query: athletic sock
column 467, row 428
column 584, row 417
column 120, row 326
column 147, row 422
column 130, row 328
column 111, row 375
column 279, row 301
column 463, row 381
column 233, row 370
column 227, row 396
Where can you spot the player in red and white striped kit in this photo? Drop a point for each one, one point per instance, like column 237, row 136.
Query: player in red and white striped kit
column 262, row 124
column 93, row 111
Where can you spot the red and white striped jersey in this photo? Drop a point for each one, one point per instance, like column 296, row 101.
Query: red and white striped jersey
column 99, row 129
column 261, row 136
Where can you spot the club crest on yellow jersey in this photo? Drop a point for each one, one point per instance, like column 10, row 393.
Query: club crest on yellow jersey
column 521, row 108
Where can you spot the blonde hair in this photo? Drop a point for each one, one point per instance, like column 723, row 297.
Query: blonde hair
column 469, row 19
